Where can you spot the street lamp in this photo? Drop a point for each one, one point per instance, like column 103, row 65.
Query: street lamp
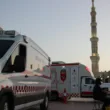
column 107, row 76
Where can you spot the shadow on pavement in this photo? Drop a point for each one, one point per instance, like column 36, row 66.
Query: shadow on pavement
column 34, row 108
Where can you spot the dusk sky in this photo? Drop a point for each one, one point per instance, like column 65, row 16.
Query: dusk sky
column 61, row 27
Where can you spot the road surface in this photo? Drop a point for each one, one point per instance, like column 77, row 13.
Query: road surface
column 68, row 106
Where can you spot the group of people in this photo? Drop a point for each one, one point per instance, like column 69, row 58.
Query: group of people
column 100, row 94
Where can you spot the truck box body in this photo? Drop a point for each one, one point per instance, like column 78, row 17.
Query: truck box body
column 74, row 77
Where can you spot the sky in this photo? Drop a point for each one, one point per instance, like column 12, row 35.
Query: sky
column 61, row 27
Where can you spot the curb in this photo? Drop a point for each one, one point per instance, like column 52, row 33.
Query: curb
column 81, row 100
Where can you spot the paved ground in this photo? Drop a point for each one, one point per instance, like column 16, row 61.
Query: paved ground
column 69, row 106
column 82, row 99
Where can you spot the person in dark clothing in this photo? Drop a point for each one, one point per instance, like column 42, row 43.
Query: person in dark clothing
column 99, row 94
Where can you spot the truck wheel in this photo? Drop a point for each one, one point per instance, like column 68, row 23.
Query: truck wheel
column 4, row 105
column 44, row 105
column 54, row 96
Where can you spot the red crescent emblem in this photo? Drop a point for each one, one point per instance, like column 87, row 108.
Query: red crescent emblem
column 63, row 75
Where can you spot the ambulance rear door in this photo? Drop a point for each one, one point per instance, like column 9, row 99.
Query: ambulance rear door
column 74, row 80
column 54, row 78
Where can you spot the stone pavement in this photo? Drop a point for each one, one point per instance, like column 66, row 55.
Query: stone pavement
column 69, row 106
column 81, row 99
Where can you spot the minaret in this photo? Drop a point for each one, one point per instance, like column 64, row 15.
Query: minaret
column 94, row 42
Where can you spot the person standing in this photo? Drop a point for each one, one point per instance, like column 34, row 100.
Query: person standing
column 99, row 94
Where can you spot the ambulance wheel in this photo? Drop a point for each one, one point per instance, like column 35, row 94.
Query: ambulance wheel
column 44, row 105
column 4, row 104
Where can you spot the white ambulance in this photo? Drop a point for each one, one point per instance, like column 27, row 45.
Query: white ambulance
column 25, row 78
column 71, row 79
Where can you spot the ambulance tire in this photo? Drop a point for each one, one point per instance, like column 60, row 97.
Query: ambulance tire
column 4, row 104
column 44, row 105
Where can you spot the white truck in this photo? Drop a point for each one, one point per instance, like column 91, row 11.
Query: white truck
column 74, row 79
column 25, row 78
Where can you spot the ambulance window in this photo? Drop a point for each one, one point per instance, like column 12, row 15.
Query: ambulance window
column 22, row 50
column 4, row 46
column 16, row 62
column 89, row 81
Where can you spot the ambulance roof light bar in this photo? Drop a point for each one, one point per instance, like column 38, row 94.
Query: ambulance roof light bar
column 9, row 32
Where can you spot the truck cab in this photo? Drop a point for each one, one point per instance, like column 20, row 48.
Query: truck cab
column 87, row 84
column 87, row 81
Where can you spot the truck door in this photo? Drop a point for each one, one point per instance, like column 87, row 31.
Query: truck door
column 74, row 80
column 87, row 85
column 54, row 79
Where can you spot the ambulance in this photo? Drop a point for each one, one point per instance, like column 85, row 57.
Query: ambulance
column 25, row 78
column 72, row 80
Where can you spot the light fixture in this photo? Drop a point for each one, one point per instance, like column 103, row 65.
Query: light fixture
column 107, row 76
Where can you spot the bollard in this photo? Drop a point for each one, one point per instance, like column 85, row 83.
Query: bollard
column 65, row 96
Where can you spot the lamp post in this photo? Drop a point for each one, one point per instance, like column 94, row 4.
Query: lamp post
column 108, row 78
